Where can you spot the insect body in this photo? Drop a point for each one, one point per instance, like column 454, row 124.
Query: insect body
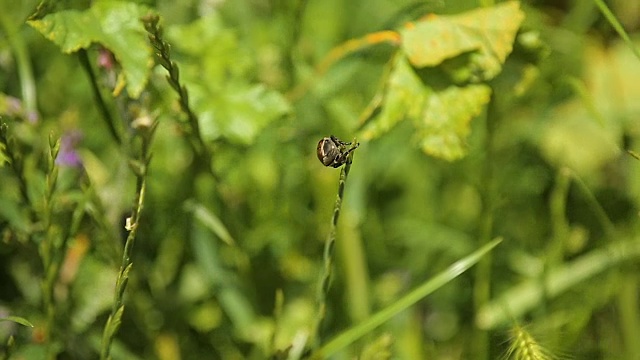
column 334, row 152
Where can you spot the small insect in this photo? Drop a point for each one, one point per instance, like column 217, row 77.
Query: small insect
column 334, row 152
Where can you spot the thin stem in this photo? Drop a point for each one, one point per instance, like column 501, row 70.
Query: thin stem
column 27, row 82
column 44, row 7
column 606, row 223
column 139, row 167
column 329, row 246
column 611, row 18
column 559, row 223
column 163, row 52
column 17, row 166
column 482, row 285
column 102, row 106
column 629, row 315
column 50, row 247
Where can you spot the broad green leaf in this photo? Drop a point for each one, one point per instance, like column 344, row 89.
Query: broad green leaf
column 404, row 97
column 212, row 50
column 487, row 32
column 113, row 24
column 240, row 113
column 444, row 127
column 441, row 118
column 218, row 71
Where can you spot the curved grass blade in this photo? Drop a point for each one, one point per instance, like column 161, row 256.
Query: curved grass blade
column 210, row 220
column 431, row 285
column 526, row 296
column 617, row 26
column 18, row 320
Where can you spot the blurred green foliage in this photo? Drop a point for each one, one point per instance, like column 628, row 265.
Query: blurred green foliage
column 518, row 127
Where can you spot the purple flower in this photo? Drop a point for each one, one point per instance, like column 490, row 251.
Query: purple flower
column 68, row 156
column 106, row 59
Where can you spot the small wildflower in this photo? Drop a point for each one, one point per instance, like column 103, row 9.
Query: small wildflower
column 68, row 155
column 106, row 59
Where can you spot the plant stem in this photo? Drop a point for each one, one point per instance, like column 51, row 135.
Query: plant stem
column 606, row 223
column 27, row 82
column 617, row 26
column 50, row 247
column 559, row 223
column 329, row 246
column 102, row 106
column 191, row 127
column 17, row 166
column 482, row 285
column 139, row 167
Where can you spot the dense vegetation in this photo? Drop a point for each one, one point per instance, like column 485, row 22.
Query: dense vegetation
column 161, row 194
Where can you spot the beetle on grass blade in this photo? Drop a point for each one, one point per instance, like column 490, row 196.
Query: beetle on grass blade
column 334, row 152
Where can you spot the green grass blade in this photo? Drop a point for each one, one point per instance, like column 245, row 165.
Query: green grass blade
column 17, row 319
column 210, row 220
column 431, row 285
column 524, row 297
column 617, row 26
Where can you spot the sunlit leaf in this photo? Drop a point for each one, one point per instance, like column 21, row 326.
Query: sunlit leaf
column 444, row 127
column 241, row 113
column 571, row 139
column 441, row 118
column 113, row 24
column 488, row 32
column 405, row 96
column 217, row 73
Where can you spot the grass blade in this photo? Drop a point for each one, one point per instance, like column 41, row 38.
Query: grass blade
column 524, row 297
column 431, row 285
column 18, row 320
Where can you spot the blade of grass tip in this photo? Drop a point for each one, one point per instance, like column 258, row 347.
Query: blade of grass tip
column 18, row 320
column 210, row 220
column 617, row 26
column 349, row 336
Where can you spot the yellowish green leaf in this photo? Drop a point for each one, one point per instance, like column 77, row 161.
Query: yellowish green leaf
column 113, row 24
column 444, row 127
column 488, row 33
column 441, row 117
column 404, row 97
column 216, row 71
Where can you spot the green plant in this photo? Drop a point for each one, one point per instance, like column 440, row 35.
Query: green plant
column 190, row 132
